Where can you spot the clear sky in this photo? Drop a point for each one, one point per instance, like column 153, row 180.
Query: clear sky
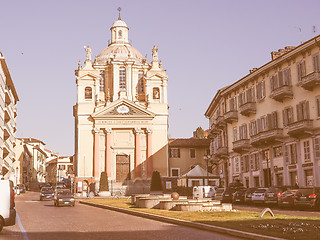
column 204, row 45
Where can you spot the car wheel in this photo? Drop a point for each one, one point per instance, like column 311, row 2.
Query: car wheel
column 1, row 224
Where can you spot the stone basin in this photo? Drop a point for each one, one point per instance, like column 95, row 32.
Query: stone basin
column 170, row 204
column 150, row 202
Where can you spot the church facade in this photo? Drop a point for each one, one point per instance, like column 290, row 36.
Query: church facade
column 121, row 114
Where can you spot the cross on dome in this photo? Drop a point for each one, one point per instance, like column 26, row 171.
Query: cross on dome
column 119, row 9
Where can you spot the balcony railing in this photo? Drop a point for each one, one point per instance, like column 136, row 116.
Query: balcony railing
column 220, row 123
column 248, row 108
column 300, row 128
column 213, row 132
column 267, row 137
column 281, row 93
column 221, row 152
column 231, row 116
column 310, row 81
column 242, row 145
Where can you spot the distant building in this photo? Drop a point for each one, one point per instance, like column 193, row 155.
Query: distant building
column 59, row 169
column 121, row 114
column 265, row 127
column 8, row 115
column 32, row 158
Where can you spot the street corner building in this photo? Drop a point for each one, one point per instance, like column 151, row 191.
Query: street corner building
column 121, row 114
column 265, row 127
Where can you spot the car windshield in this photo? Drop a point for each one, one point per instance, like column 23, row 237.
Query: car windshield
column 305, row 191
column 260, row 190
column 47, row 189
column 220, row 190
column 64, row 192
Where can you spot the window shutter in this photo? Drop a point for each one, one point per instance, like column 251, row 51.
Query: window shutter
column 306, row 110
column 170, row 152
column 178, row 152
column 258, row 125
column 316, row 146
column 294, row 153
column 299, row 112
column 242, row 164
column 285, row 117
column 318, row 106
column 303, row 68
column 286, row 154
column 275, row 119
column 272, row 83
column 299, row 71
column 280, row 78
column 268, row 122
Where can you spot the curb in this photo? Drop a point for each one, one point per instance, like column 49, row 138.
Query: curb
column 201, row 226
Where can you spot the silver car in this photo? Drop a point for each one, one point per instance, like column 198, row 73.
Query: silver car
column 258, row 195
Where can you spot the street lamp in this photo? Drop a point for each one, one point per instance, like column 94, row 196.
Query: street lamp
column 266, row 154
column 206, row 158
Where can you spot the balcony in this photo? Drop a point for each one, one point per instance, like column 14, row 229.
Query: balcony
column 241, row 146
column 213, row 131
column 268, row 137
column 221, row 152
column 281, row 93
column 231, row 116
column 248, row 108
column 310, row 81
column 301, row 128
column 220, row 123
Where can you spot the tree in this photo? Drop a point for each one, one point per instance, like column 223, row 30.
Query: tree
column 156, row 184
column 199, row 133
column 104, row 186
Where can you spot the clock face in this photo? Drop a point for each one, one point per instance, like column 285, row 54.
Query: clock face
column 122, row 109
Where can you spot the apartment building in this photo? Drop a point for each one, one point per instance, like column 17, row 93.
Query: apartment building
column 59, row 168
column 265, row 127
column 8, row 115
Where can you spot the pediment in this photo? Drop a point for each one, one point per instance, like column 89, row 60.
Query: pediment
column 89, row 76
column 156, row 76
column 121, row 109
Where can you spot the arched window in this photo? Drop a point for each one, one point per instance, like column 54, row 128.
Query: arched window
column 120, row 34
column 156, row 93
column 122, row 78
column 88, row 93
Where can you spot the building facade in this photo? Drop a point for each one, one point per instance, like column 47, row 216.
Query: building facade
column 265, row 127
column 8, row 115
column 121, row 114
column 32, row 158
column 59, row 169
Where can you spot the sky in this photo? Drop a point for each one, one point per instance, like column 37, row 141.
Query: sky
column 204, row 45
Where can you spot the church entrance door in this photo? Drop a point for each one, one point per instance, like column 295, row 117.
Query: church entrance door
column 122, row 167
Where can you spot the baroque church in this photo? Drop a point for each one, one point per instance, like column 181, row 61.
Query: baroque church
column 121, row 114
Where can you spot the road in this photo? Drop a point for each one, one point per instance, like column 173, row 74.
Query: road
column 40, row 220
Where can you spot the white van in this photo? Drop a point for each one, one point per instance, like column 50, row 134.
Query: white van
column 7, row 206
column 203, row 191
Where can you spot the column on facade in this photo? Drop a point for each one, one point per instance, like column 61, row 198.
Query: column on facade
column 129, row 80
column 272, row 172
column 261, row 175
column 116, row 79
column 138, row 161
column 96, row 149
column 300, row 174
column 149, row 153
column 108, row 154
column 316, row 174
column 251, row 162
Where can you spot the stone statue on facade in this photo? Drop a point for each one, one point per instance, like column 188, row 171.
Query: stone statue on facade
column 88, row 50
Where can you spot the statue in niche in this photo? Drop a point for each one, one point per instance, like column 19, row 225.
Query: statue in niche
column 156, row 93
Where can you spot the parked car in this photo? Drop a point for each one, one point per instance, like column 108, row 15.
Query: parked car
column 273, row 193
column 286, row 199
column 307, row 198
column 22, row 188
column 203, row 191
column 239, row 195
column 44, row 184
column 258, row 195
column 7, row 204
column 218, row 194
column 227, row 195
column 248, row 195
column 46, row 193
column 63, row 197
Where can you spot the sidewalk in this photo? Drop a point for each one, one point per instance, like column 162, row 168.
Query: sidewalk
column 228, row 231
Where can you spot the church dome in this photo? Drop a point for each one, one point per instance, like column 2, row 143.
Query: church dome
column 119, row 23
column 120, row 52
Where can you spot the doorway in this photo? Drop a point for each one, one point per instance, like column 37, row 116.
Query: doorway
column 122, row 167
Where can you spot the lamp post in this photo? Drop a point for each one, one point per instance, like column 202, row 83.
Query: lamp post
column 206, row 158
column 266, row 154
